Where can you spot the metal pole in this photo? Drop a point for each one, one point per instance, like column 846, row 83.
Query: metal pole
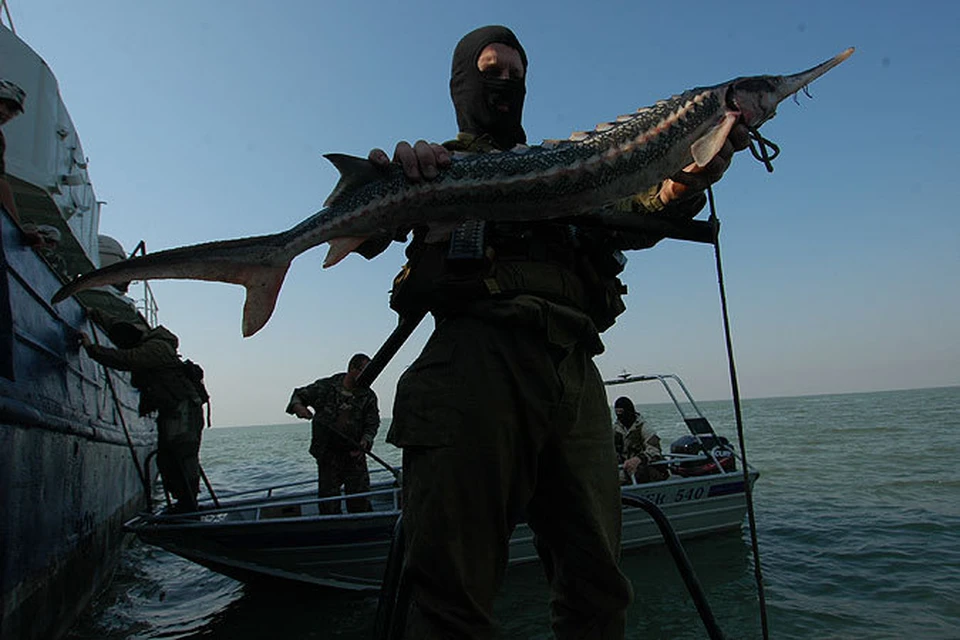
column 356, row 445
column 206, row 481
column 126, row 432
column 405, row 326
column 735, row 390
column 682, row 562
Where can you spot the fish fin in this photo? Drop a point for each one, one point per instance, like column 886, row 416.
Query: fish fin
column 354, row 172
column 707, row 146
column 340, row 248
column 263, row 287
column 258, row 263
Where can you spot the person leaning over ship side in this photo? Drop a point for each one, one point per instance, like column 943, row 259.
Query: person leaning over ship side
column 637, row 445
column 504, row 416
column 11, row 105
column 158, row 373
column 345, row 415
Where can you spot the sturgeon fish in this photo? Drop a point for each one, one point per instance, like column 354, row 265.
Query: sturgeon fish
column 558, row 178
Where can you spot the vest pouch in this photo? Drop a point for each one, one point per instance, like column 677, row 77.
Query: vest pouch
column 432, row 282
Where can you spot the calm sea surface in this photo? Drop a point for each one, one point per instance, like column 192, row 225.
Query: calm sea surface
column 858, row 511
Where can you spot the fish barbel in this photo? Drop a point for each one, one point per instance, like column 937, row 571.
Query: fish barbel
column 558, row 178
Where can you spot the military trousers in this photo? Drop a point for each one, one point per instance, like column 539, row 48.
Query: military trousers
column 178, row 451
column 336, row 468
column 501, row 424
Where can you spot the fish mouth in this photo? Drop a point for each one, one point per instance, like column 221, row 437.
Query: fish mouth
column 756, row 97
column 791, row 84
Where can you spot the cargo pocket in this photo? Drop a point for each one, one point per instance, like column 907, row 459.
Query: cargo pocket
column 426, row 410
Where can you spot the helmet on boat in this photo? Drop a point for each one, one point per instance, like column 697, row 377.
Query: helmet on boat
column 11, row 92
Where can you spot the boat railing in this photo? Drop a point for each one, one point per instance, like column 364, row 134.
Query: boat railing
column 271, row 508
column 693, row 418
column 377, row 476
column 665, row 380
column 147, row 305
column 287, row 495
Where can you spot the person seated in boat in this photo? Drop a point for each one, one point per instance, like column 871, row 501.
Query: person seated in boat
column 11, row 105
column 167, row 389
column 345, row 422
column 637, row 444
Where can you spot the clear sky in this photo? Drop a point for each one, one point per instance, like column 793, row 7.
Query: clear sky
column 206, row 120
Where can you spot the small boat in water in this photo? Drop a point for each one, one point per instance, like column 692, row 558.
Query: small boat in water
column 278, row 532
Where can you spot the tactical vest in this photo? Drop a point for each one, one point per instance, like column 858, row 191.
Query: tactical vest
column 558, row 262
column 546, row 260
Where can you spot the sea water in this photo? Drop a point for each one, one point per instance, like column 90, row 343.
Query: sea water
column 857, row 510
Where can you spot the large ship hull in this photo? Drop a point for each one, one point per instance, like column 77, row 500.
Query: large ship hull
column 73, row 450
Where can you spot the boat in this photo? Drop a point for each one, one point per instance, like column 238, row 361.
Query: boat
column 278, row 532
column 73, row 451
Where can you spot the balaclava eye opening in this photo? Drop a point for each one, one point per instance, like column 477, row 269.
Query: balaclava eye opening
column 475, row 96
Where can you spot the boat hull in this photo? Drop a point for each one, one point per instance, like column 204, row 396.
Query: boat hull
column 63, row 526
column 350, row 551
column 67, row 476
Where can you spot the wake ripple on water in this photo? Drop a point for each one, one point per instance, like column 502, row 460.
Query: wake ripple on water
column 156, row 595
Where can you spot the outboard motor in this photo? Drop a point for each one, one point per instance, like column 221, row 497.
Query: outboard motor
column 689, row 445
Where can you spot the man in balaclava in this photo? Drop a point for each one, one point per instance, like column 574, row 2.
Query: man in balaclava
column 625, row 411
column 637, row 444
column 503, row 418
column 490, row 102
column 626, row 415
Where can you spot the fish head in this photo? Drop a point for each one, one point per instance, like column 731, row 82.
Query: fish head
column 756, row 97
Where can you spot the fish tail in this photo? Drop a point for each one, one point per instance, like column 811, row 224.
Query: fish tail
column 259, row 264
column 263, row 287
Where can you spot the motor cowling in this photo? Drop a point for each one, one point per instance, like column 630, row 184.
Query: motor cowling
column 689, row 445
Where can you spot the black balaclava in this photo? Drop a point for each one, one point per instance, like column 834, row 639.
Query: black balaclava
column 626, row 412
column 474, row 96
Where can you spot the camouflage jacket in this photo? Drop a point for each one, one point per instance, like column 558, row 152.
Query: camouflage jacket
column 353, row 413
column 157, row 370
column 639, row 440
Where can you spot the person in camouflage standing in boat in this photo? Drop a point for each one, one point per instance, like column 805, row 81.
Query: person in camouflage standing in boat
column 159, row 375
column 345, row 422
column 504, row 416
